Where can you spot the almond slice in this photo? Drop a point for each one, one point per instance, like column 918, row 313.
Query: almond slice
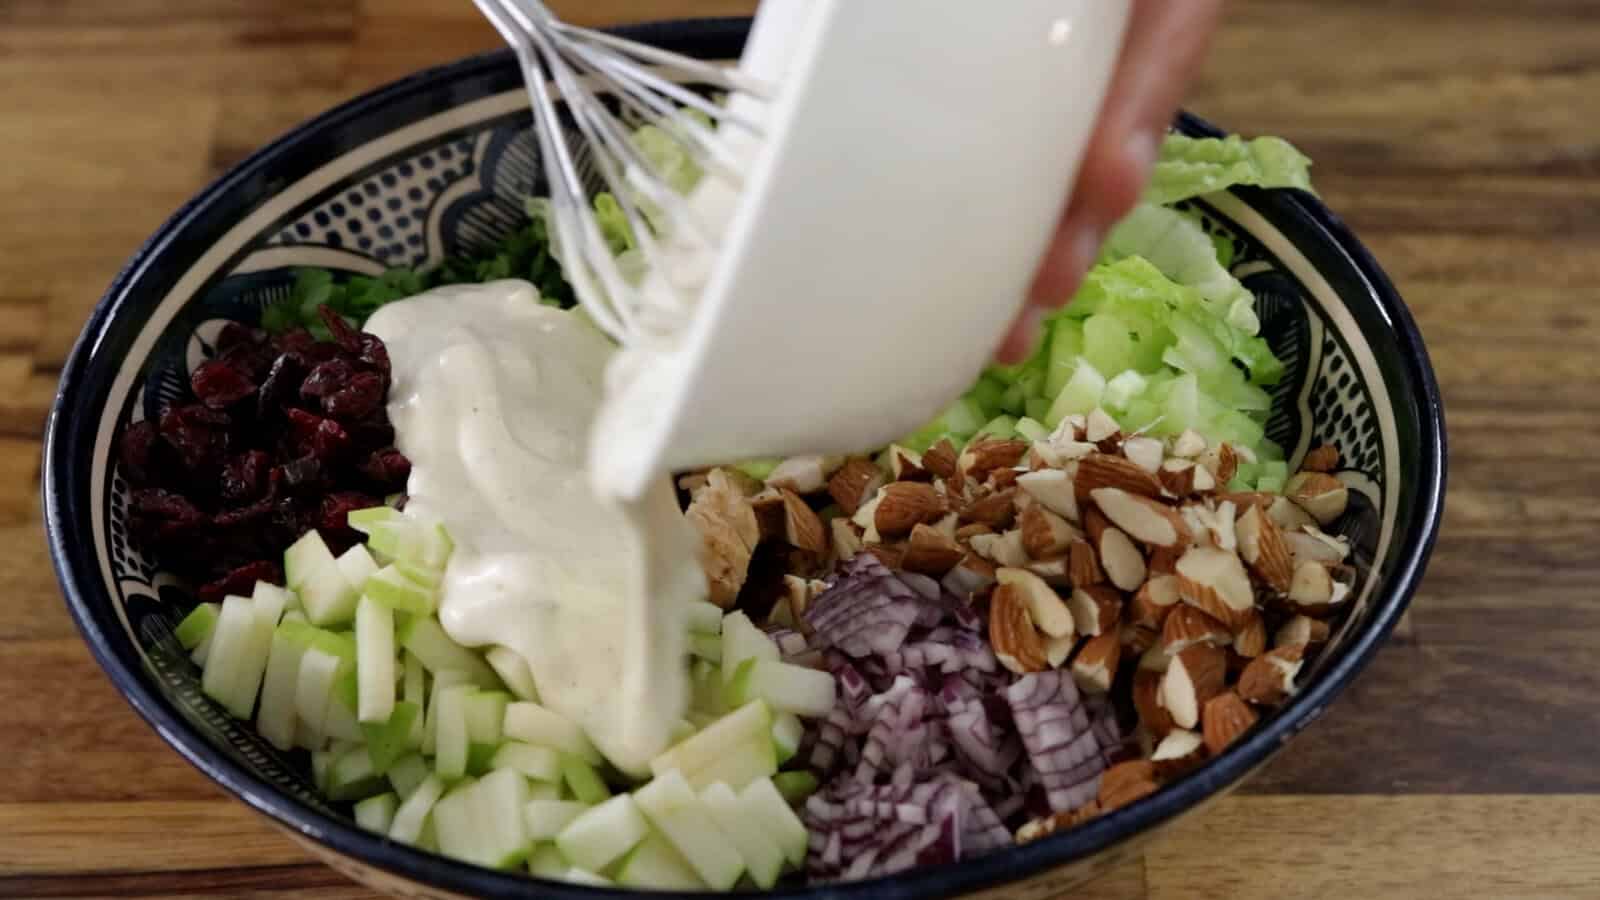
column 1312, row 586
column 1178, row 753
column 855, row 483
column 1250, row 637
column 1102, row 470
column 1321, row 459
column 1095, row 609
column 1224, row 719
column 1194, row 676
column 1262, row 546
column 1243, row 500
column 1137, row 639
column 1183, row 477
column 971, row 575
column 906, row 465
column 940, row 459
column 1154, row 601
column 1125, row 783
column 1141, row 518
column 1302, row 631
column 801, row 527
column 1053, row 489
column 970, row 531
column 803, row 474
column 1095, row 666
column 903, row 505
column 1083, row 567
column 1002, row 549
column 1223, row 534
column 1188, row 445
column 1164, row 560
column 1269, row 679
column 997, row 509
column 1058, row 649
column 1144, row 452
column 1222, row 461
column 986, row 454
column 1323, row 496
column 1287, row 515
column 1053, row 571
column 1016, row 642
column 1187, row 626
column 729, row 532
column 846, row 542
column 1057, row 453
column 1049, row 612
column 1216, row 582
column 1304, row 548
column 931, row 552
column 1121, row 560
column 1099, row 426
column 1154, row 716
column 1045, row 534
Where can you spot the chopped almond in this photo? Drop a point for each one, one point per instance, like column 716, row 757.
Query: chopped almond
column 1321, row 459
column 1250, row 637
column 1002, row 549
column 1323, row 496
column 1188, row 445
column 1045, row 534
column 1187, row 626
column 931, row 552
column 1179, row 753
column 890, row 555
column 1121, row 560
column 1083, row 565
column 1095, row 666
column 1125, row 783
column 1137, row 639
column 987, row 454
column 1145, row 452
column 997, row 509
column 768, row 506
column 1102, row 470
column 803, row 474
column 856, row 482
column 1224, row 719
column 1195, row 675
column 1311, row 591
column 1154, row 716
column 1216, row 582
column 845, row 539
column 1058, row 649
column 940, row 459
column 801, row 527
column 1269, row 679
column 1050, row 614
column 726, row 521
column 1016, row 641
column 1164, row 561
column 1141, row 518
column 1262, row 546
column 1095, row 609
column 970, row 531
column 1053, row 489
column 905, row 504
column 971, row 575
column 1302, row 631
column 1154, row 601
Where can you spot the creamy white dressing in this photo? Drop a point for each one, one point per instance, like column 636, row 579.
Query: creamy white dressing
column 493, row 400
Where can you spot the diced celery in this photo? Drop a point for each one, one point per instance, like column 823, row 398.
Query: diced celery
column 602, row 834
column 450, row 750
column 387, row 741
column 394, row 590
column 1121, row 389
column 751, row 721
column 1081, row 394
column 742, row 640
column 377, row 813
column 199, row 623
column 680, row 817
column 538, row 763
column 762, row 858
column 1002, row 428
column 763, row 804
column 1108, row 344
column 514, row 671
column 795, row 786
column 375, row 661
column 407, row 773
column 547, row 862
column 352, row 777
column 413, row 813
column 424, row 637
column 533, row 724
column 546, row 818
column 787, row 731
column 275, row 719
column 785, row 687
column 988, row 393
column 738, row 765
column 582, row 780
column 1031, row 430
column 1066, row 350
column 656, row 865
column 1037, row 408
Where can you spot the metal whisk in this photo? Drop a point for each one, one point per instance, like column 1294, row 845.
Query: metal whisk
column 577, row 67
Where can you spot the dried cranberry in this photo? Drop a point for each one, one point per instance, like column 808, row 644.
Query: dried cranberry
column 373, row 432
column 244, row 478
column 253, row 360
column 242, row 580
column 374, row 353
column 138, row 449
column 330, row 442
column 198, row 434
column 336, row 510
column 283, row 379
column 388, row 469
column 219, row 385
column 233, row 334
column 327, row 378
column 298, row 473
column 244, row 515
column 343, row 334
column 295, row 340
column 356, row 399
column 165, row 506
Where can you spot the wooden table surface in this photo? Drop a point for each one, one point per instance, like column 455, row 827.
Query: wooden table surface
column 1455, row 137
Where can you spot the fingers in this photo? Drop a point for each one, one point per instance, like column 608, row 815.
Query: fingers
column 1164, row 49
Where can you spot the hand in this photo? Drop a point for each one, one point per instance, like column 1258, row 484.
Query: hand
column 1164, row 48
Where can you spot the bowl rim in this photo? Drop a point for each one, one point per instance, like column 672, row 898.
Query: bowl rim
column 998, row 868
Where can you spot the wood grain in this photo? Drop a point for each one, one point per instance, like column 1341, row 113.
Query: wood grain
column 1454, row 136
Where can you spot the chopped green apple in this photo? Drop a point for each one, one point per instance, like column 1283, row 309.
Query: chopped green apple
column 424, row 637
column 389, row 740
column 747, row 723
column 739, row 765
column 534, row 724
column 742, row 640
column 199, row 623
column 704, row 617
column 407, row 773
column 762, row 858
column 582, row 780
column 656, row 865
column 414, row 812
column 514, row 671
column 351, row 777
column 546, row 818
column 785, row 687
column 377, row 813
column 547, row 862
column 795, row 786
column 672, row 807
column 452, row 741
column 393, row 589
column 764, row 805
column 537, row 763
column 602, row 834
column 375, row 661
column 787, row 730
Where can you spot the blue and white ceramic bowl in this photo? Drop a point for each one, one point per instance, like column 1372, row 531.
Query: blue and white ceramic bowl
column 440, row 163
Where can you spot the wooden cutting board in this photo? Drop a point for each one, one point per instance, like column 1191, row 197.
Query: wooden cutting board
column 1453, row 135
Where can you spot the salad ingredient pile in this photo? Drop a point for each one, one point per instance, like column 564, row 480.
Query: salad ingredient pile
column 1088, row 575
